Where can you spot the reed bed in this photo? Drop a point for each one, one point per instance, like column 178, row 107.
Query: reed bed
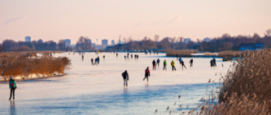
column 231, row 53
column 245, row 89
column 25, row 67
column 183, row 53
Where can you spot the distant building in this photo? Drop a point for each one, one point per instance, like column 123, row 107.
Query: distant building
column 104, row 42
column 40, row 41
column 206, row 39
column 93, row 44
column 112, row 42
column 27, row 39
column 67, row 42
column 251, row 46
column 187, row 40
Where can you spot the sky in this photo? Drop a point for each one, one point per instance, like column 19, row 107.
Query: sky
column 114, row 19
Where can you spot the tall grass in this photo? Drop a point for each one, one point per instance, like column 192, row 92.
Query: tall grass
column 246, row 88
column 23, row 65
column 182, row 53
column 231, row 53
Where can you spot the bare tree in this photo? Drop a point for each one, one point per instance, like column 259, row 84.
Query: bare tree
column 268, row 32
column 83, row 43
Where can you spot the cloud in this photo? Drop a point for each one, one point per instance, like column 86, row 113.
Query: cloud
column 172, row 19
column 14, row 19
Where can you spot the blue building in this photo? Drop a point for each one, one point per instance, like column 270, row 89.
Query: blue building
column 251, row 46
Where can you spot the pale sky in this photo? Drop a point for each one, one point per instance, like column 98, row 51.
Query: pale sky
column 108, row 19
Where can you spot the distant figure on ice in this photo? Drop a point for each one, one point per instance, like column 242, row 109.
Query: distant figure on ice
column 182, row 62
column 104, row 56
column 177, row 56
column 154, row 65
column 191, row 62
column 91, row 60
column 173, row 65
column 180, row 59
column 97, row 60
column 213, row 62
column 158, row 61
column 12, row 86
column 124, row 57
column 131, row 55
column 147, row 74
column 117, row 54
column 82, row 57
column 125, row 78
column 165, row 65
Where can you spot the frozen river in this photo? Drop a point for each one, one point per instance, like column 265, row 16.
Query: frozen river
column 98, row 89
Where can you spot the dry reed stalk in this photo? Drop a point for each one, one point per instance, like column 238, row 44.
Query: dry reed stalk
column 246, row 87
column 22, row 66
column 180, row 52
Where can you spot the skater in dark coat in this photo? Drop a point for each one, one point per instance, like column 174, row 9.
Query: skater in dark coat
column 147, row 74
column 125, row 77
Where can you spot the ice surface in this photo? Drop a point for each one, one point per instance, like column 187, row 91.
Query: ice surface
column 98, row 89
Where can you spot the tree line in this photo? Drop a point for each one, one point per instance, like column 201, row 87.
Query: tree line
column 224, row 42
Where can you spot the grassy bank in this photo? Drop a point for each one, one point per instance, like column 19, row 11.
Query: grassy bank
column 245, row 89
column 231, row 53
column 182, row 53
column 26, row 65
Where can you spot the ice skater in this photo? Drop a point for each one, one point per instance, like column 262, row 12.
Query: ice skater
column 154, row 65
column 104, row 56
column 182, row 62
column 158, row 61
column 165, row 65
column 12, row 86
column 173, row 65
column 82, row 57
column 147, row 74
column 191, row 62
column 91, row 60
column 125, row 77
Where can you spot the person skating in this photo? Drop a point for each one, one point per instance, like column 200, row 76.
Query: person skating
column 82, row 57
column 173, row 65
column 191, row 62
column 12, row 86
column 214, row 61
column 125, row 77
column 180, row 59
column 182, row 62
column 147, row 74
column 158, row 61
column 103, row 56
column 165, row 65
column 117, row 54
column 154, row 65
column 91, row 60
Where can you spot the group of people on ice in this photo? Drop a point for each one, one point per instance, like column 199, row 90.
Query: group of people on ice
column 97, row 60
column 213, row 62
column 127, row 56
